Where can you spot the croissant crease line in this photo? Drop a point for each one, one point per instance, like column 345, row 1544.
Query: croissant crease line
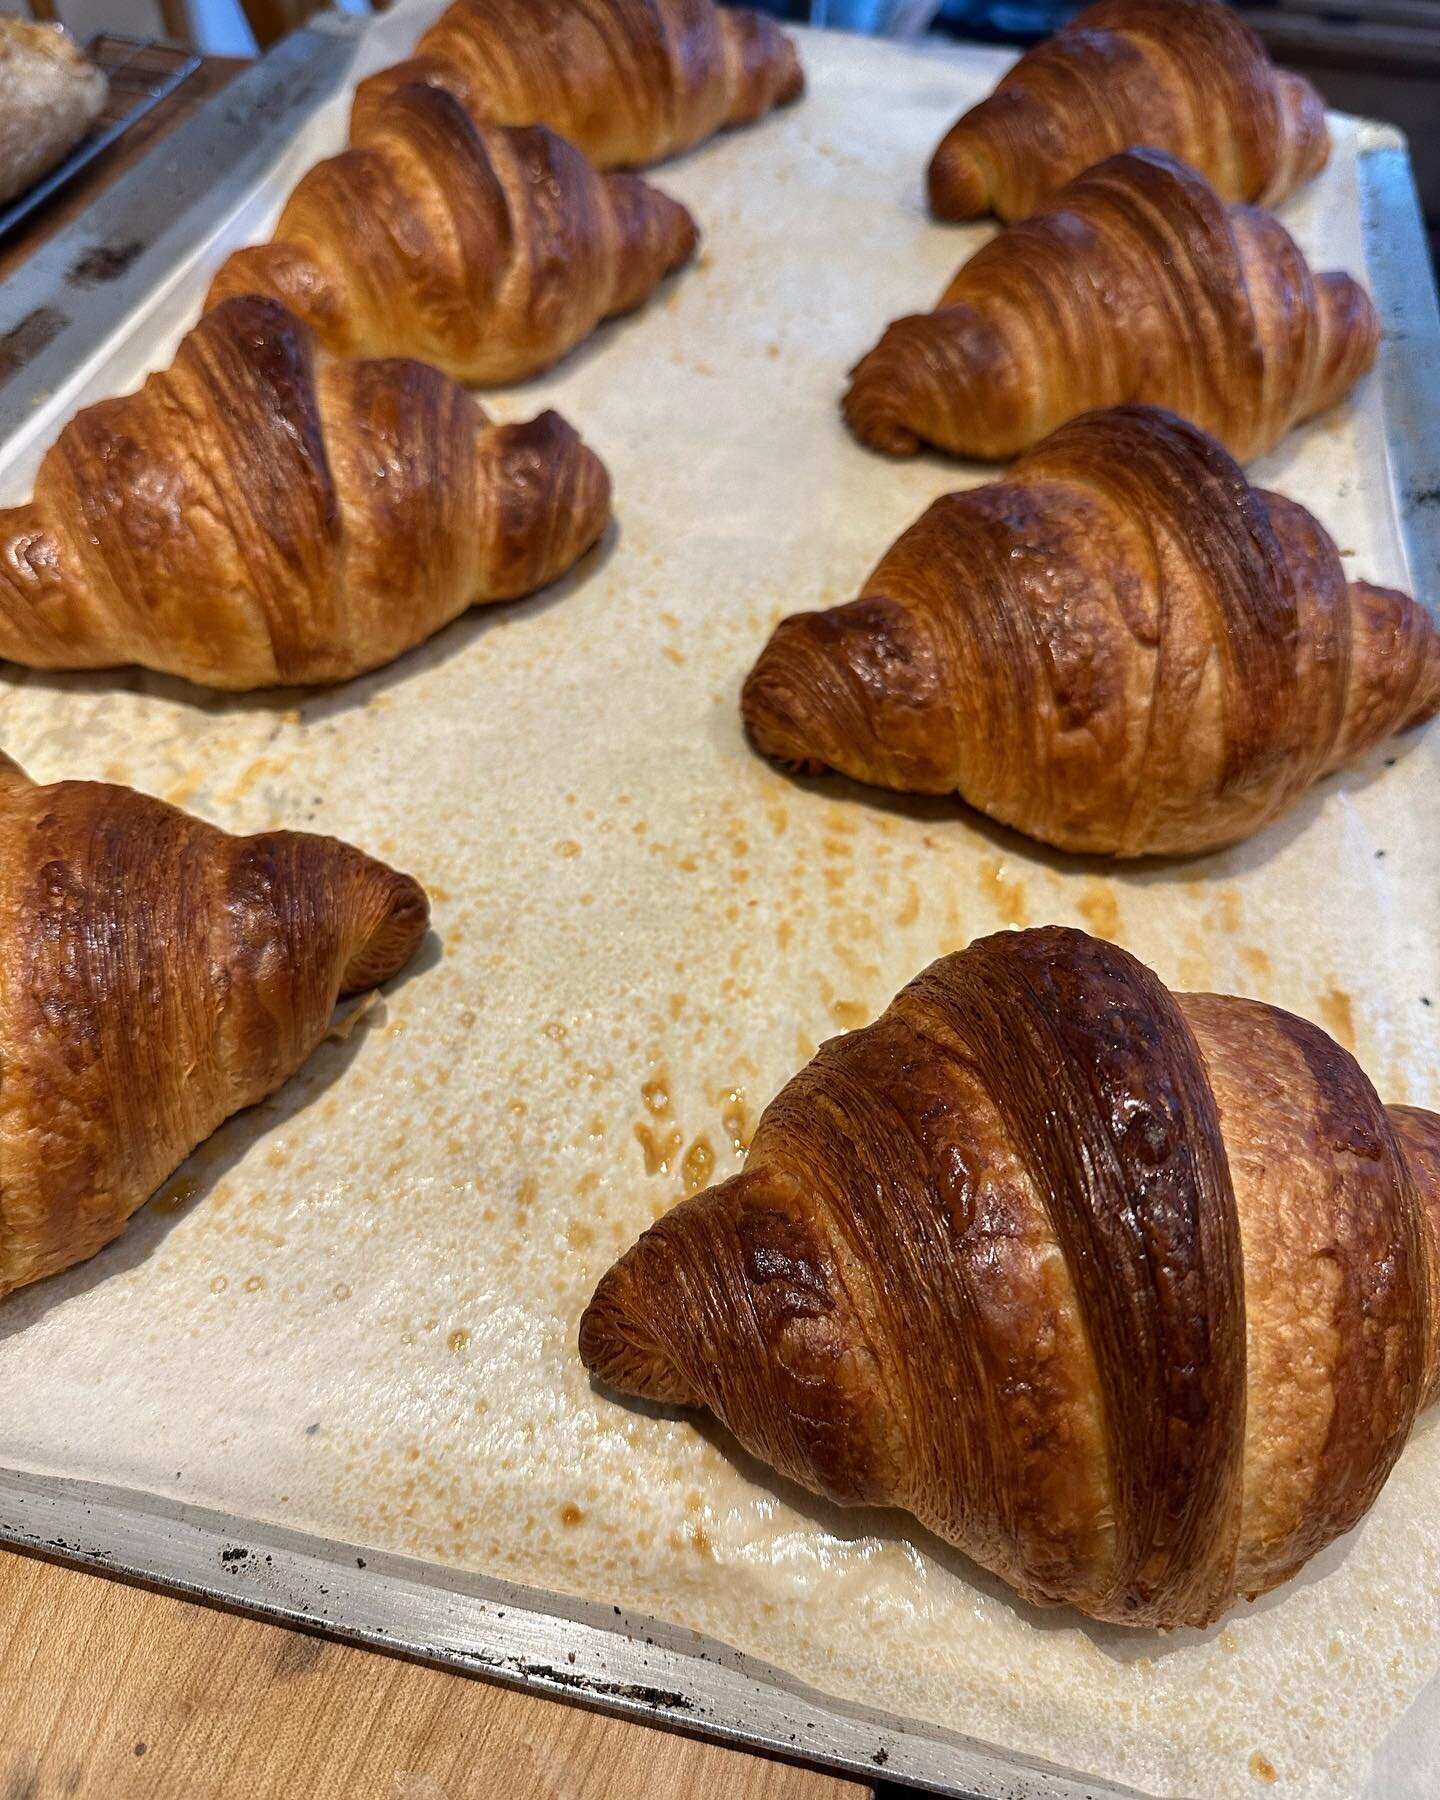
column 264, row 514
column 1129, row 1295
column 1118, row 648
column 1185, row 76
column 156, row 976
column 1134, row 283
column 629, row 82
column 488, row 251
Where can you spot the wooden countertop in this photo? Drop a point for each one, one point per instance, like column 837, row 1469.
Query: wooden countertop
column 110, row 1692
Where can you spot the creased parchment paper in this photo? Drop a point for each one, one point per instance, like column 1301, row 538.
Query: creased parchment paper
column 354, row 1310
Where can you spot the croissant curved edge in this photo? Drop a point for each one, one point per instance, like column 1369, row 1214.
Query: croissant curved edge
column 487, row 251
column 630, row 82
column 262, row 513
column 1130, row 1295
column 1133, row 282
column 156, row 976
column 1024, row 646
column 1185, row 76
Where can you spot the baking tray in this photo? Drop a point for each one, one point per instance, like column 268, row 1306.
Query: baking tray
column 291, row 1492
column 61, row 310
column 142, row 72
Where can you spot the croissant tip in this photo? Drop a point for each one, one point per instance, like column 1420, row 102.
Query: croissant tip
column 394, row 924
column 685, row 239
column 792, row 85
column 614, row 1344
column 956, row 186
column 868, row 411
column 768, row 713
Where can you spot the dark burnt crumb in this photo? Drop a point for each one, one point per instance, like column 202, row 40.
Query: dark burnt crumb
column 1424, row 999
column 359, row 1562
column 880, row 1758
column 1389, row 762
column 104, row 262
column 140, row 1749
column 1379, row 854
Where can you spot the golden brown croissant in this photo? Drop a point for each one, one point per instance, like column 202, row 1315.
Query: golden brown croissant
column 156, row 976
column 1187, row 76
column 261, row 513
column 1130, row 1295
column 1119, row 647
column 1134, row 283
column 485, row 250
column 629, row 81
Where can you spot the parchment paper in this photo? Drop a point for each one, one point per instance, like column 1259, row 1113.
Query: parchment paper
column 354, row 1311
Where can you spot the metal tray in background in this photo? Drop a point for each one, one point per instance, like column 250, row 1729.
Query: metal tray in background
column 142, row 72
column 628, row 1664
column 82, row 283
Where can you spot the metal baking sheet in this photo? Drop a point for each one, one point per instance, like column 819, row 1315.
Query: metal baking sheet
column 344, row 1334
column 67, row 311
column 141, row 73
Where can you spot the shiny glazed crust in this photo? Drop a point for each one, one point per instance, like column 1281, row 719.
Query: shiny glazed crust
column 1120, row 647
column 157, row 976
column 262, row 513
column 488, row 251
column 629, row 81
column 1134, row 283
column 1127, row 1294
column 1187, row 76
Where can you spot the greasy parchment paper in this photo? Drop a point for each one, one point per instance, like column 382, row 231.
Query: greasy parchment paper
column 354, row 1310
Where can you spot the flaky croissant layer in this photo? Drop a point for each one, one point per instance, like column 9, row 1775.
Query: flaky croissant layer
column 1130, row 1295
column 156, row 976
column 628, row 81
column 262, row 513
column 1133, row 283
column 1185, row 76
column 487, row 251
column 1119, row 648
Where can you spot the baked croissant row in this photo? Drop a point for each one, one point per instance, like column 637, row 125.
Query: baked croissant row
column 1119, row 647
column 629, row 81
column 1130, row 1295
column 262, row 513
column 1187, row 76
column 1134, row 283
column 156, row 976
column 486, row 250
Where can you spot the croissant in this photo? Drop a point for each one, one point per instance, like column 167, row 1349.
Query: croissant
column 156, row 976
column 1118, row 647
column 1134, row 283
column 1187, row 76
column 261, row 513
column 629, row 81
column 485, row 250
column 1129, row 1295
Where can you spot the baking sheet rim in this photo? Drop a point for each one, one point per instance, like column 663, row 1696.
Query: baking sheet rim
column 567, row 1649
column 652, row 1672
